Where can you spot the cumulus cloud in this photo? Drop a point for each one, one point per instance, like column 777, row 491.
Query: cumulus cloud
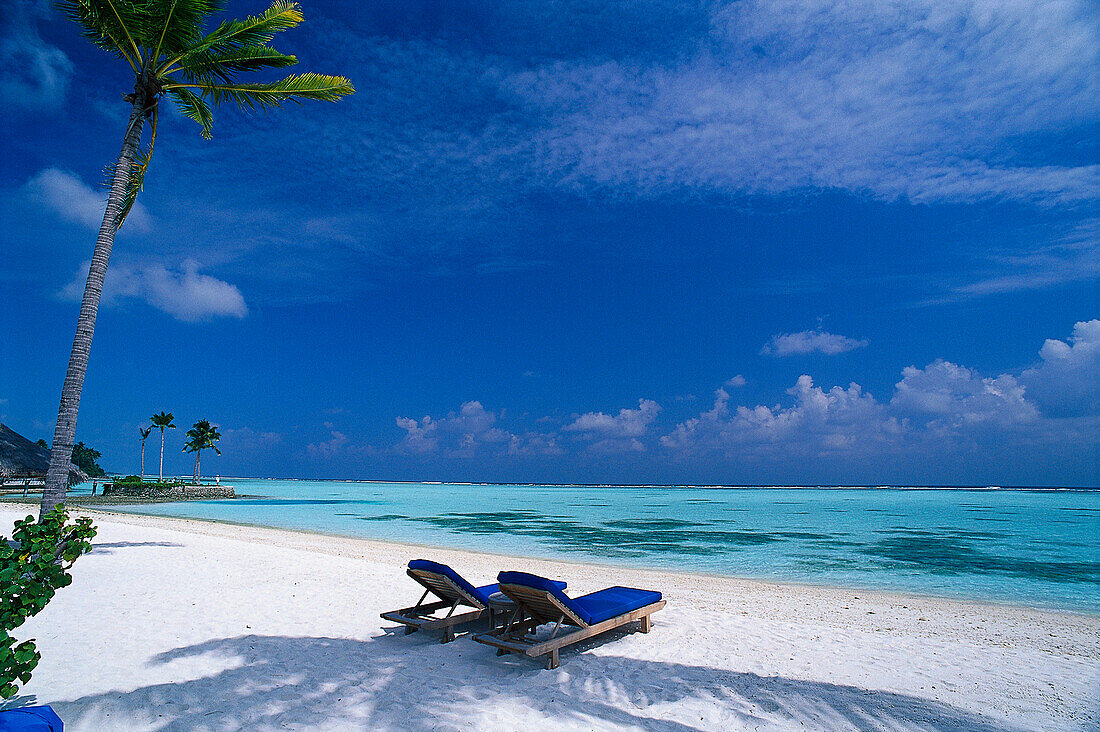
column 469, row 432
column 936, row 407
column 184, row 294
column 942, row 409
column 736, row 381
column 810, row 341
column 335, row 446
column 951, row 396
column 818, row 422
column 69, row 197
column 627, row 423
column 1067, row 381
column 33, row 74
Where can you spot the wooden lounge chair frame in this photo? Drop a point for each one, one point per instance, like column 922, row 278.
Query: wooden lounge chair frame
column 423, row 616
column 535, row 607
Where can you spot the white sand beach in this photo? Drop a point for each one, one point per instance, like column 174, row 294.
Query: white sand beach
column 186, row 625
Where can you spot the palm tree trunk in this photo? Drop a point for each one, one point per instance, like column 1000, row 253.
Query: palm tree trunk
column 64, row 434
column 143, row 461
column 198, row 453
column 161, row 454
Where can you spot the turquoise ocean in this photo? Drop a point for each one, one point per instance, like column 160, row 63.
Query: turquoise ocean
column 1037, row 547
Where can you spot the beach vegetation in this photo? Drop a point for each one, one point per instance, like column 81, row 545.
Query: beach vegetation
column 162, row 421
column 34, row 565
column 173, row 57
column 202, row 436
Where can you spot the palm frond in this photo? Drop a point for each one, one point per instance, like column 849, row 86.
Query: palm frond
column 108, row 25
column 173, row 26
column 138, row 166
column 272, row 94
column 256, row 30
column 212, row 67
column 194, row 107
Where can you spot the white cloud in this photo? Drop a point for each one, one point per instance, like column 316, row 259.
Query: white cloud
column 919, row 101
column 936, row 415
column 736, row 381
column 1067, row 381
column 627, row 423
column 72, row 199
column 818, row 422
column 470, row 432
column 186, row 294
column 951, row 396
column 810, row 341
column 335, row 446
column 943, row 407
column 33, row 74
column 1042, row 259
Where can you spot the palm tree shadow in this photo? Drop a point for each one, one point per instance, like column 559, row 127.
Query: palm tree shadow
column 106, row 547
column 413, row 682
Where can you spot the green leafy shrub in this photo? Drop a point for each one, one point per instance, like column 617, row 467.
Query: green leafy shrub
column 34, row 565
column 129, row 479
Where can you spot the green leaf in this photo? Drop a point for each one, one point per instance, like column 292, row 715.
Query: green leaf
column 196, row 108
column 273, row 94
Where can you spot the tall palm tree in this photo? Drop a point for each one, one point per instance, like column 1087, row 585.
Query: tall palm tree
column 171, row 56
column 201, row 437
column 162, row 422
column 145, row 432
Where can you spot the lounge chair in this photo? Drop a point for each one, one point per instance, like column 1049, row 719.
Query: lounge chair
column 30, row 719
column 538, row 601
column 452, row 590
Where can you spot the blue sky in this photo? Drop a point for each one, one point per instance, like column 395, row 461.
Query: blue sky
column 844, row 242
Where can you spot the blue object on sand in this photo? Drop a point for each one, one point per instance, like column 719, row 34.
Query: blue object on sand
column 453, row 590
column 479, row 593
column 30, row 719
column 592, row 608
column 540, row 601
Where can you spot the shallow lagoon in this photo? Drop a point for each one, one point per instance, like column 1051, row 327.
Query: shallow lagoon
column 1035, row 547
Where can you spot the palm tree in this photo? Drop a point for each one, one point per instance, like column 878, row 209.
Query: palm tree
column 145, row 432
column 201, row 437
column 162, row 422
column 171, row 56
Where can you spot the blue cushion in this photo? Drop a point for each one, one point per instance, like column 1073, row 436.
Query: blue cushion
column 614, row 601
column 30, row 719
column 540, row 583
column 592, row 608
column 488, row 590
column 482, row 594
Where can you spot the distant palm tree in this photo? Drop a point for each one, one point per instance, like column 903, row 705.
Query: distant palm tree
column 171, row 56
column 162, row 422
column 201, row 437
column 145, row 432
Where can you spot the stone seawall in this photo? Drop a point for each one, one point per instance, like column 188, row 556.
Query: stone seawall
column 182, row 492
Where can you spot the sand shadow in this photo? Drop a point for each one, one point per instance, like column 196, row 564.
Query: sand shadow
column 398, row 682
column 106, row 547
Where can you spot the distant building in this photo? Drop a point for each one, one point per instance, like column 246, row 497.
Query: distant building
column 23, row 461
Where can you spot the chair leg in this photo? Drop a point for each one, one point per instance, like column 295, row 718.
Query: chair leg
column 448, row 635
column 410, row 629
column 552, row 659
column 502, row 652
column 645, row 623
